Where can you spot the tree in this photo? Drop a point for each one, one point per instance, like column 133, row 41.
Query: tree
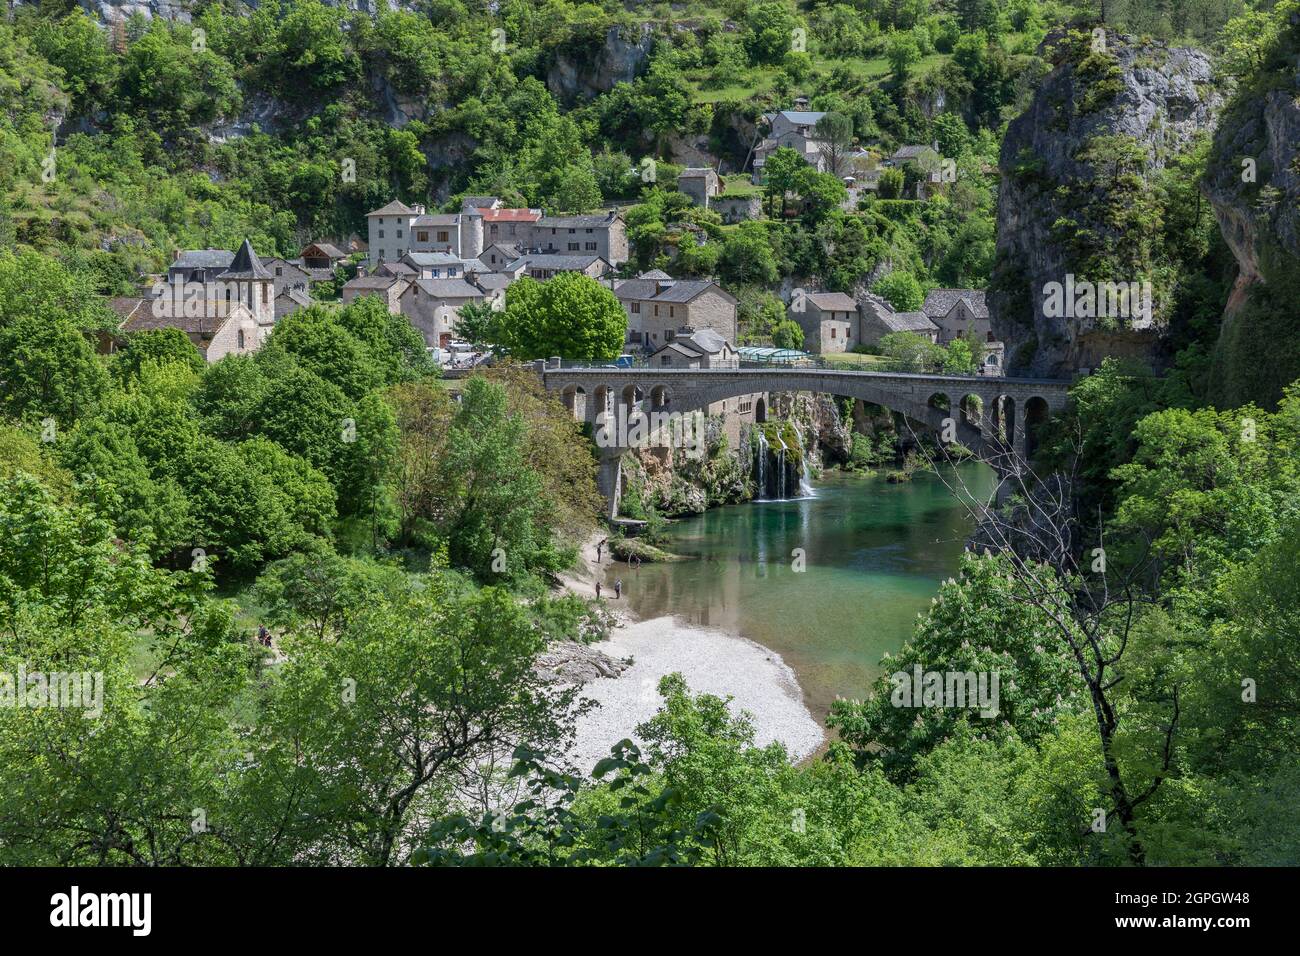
column 781, row 171
column 902, row 51
column 833, row 134
column 901, row 290
column 769, row 29
column 819, row 194
column 959, row 358
column 490, row 512
column 747, row 257
column 892, row 184
column 364, row 730
column 787, row 334
column 478, row 323
column 569, row 315
column 48, row 370
column 155, row 345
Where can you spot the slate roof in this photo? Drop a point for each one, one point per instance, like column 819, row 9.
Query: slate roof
column 246, row 265
column 696, row 172
column 372, row 282
column 908, row 322
column 297, row 295
column 480, row 202
column 126, row 306
column 941, row 301
column 426, row 259
column 394, row 208
column 833, row 301
column 199, row 328
column 439, row 219
column 558, row 262
column 704, row 341
column 334, row 252
column 802, row 117
column 908, row 152
column 654, row 274
column 491, row 281
column 203, row 259
column 447, row 289
column 652, row 289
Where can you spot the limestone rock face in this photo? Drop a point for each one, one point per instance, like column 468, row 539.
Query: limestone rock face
column 586, row 71
column 1252, row 182
column 1053, row 198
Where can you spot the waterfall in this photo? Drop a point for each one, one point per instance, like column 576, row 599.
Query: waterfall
column 805, row 486
column 780, row 468
column 762, row 466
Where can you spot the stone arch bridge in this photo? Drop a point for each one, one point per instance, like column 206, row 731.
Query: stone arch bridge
column 994, row 417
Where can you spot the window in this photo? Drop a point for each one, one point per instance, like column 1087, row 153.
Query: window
column 241, row 338
column 669, row 335
column 442, row 236
column 656, row 311
column 572, row 231
column 399, row 234
column 832, row 331
column 636, row 308
column 590, row 231
column 279, row 271
column 451, row 272
column 591, row 247
column 666, row 360
column 265, row 290
column 573, row 247
column 381, row 233
column 672, row 311
column 990, row 338
column 422, row 236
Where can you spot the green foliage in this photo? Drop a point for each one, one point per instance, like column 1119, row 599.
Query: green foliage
column 569, row 315
column 901, row 290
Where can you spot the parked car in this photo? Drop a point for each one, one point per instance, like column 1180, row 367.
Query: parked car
column 624, row 361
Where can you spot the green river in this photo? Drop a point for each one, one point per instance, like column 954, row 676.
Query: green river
column 874, row 553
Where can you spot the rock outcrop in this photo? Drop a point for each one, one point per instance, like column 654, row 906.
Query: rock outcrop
column 1076, row 198
column 1252, row 181
column 584, row 70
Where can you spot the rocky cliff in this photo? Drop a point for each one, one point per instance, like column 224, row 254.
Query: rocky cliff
column 584, row 69
column 1252, row 181
column 1079, row 197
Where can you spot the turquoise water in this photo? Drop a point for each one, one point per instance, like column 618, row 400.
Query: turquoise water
column 874, row 555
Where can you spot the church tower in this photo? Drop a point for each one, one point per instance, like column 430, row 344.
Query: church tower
column 249, row 282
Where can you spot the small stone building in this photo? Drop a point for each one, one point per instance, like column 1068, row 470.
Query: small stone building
column 701, row 183
column 829, row 321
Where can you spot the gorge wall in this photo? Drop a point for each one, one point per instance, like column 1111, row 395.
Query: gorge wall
column 1252, row 181
column 1078, row 197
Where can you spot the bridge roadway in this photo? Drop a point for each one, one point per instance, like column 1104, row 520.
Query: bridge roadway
column 993, row 416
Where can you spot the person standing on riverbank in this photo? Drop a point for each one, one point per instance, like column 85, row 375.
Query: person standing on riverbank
column 600, row 545
column 618, row 589
column 597, row 590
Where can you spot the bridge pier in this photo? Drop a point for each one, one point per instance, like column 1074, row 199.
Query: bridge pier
column 609, row 479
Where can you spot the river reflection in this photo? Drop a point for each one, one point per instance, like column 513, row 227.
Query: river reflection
column 873, row 555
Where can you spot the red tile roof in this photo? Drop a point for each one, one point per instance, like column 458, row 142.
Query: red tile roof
column 511, row 215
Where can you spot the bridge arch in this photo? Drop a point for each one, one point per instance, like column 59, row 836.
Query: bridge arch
column 1036, row 415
